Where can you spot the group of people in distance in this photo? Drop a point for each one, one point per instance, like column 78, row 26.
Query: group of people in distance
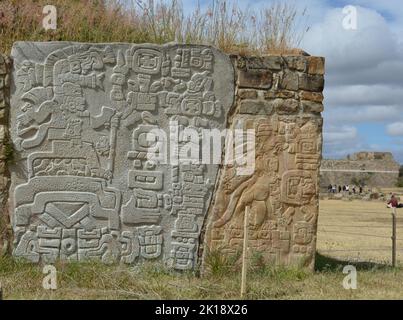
column 394, row 202
column 345, row 188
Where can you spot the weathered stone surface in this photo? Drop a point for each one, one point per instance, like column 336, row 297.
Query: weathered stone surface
column 286, row 106
column 310, row 82
column 298, row 63
column 281, row 195
column 310, row 106
column 282, row 191
column 84, row 186
column 259, row 79
column 273, row 63
column 289, row 81
column 283, row 94
column 256, row 107
column 247, row 94
column 311, row 96
column 316, row 65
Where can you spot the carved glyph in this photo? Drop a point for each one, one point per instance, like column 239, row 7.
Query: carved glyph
column 83, row 186
column 281, row 194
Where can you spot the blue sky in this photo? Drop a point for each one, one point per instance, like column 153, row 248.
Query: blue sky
column 364, row 72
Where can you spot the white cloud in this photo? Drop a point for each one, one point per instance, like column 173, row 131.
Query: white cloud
column 364, row 69
column 395, row 129
column 354, row 115
column 343, row 140
column 386, row 72
column 347, row 50
column 364, row 95
column 335, row 135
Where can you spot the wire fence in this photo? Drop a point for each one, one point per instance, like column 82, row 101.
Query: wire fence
column 377, row 237
column 358, row 234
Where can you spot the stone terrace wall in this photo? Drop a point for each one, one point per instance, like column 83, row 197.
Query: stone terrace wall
column 372, row 169
column 5, row 152
column 82, row 186
column 280, row 97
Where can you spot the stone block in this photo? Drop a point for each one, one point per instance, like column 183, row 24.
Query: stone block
column 81, row 120
column 286, row 106
column 289, row 81
column 311, row 106
column 256, row 107
column 316, row 65
column 298, row 63
column 283, row 94
column 273, row 63
column 247, row 94
column 282, row 200
column 270, row 62
column 310, row 82
column 311, row 96
column 256, row 78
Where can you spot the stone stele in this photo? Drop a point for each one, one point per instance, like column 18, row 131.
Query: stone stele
column 82, row 185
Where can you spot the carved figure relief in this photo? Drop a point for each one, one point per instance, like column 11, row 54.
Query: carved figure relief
column 83, row 186
column 281, row 194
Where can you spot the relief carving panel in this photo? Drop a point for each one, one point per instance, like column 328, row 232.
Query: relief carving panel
column 281, row 194
column 83, row 185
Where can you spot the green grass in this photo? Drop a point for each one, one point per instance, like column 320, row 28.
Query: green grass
column 93, row 280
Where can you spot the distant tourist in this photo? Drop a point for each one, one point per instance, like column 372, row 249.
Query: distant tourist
column 394, row 203
column 354, row 189
column 360, row 189
column 339, row 189
column 344, row 188
column 329, row 188
column 347, row 188
column 334, row 189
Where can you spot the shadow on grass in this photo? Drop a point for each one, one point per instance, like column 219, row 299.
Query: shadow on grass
column 325, row 263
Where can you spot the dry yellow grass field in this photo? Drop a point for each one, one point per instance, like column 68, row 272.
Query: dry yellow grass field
column 358, row 230
column 275, row 28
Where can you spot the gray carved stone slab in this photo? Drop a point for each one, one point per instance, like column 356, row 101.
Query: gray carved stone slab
column 83, row 185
